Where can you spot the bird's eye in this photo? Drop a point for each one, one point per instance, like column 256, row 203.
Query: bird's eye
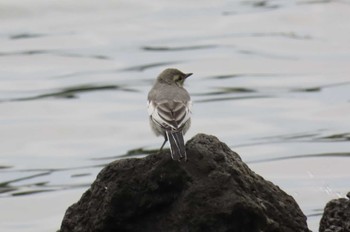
column 178, row 78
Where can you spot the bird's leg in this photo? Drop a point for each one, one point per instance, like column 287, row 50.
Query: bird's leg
column 165, row 140
column 183, row 157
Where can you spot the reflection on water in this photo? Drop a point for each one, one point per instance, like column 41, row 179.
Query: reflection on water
column 271, row 79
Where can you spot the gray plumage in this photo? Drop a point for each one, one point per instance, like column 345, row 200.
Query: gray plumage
column 169, row 108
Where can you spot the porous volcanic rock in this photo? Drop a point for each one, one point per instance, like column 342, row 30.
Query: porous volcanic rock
column 213, row 191
column 336, row 216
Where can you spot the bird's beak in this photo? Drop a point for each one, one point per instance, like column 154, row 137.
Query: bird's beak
column 188, row 74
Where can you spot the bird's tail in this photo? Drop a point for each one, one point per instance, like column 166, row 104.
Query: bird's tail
column 177, row 145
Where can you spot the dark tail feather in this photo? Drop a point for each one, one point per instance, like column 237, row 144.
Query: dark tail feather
column 177, row 144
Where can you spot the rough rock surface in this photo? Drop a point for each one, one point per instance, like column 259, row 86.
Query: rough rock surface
column 336, row 216
column 213, row 191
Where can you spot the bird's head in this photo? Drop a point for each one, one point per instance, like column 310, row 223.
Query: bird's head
column 173, row 76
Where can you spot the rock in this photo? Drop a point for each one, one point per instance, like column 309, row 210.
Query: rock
column 213, row 191
column 336, row 216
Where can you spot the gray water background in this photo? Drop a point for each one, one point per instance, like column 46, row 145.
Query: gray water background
column 271, row 80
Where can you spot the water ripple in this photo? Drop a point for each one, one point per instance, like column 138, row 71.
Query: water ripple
column 143, row 67
column 71, row 92
column 43, row 180
column 26, row 36
column 233, row 98
column 320, row 87
column 227, row 90
column 238, row 75
column 168, row 48
column 55, row 53
column 335, row 154
column 310, row 137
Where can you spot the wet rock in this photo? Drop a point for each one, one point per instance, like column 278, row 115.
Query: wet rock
column 336, row 216
column 213, row 191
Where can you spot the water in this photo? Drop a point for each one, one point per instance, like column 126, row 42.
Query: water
column 271, row 79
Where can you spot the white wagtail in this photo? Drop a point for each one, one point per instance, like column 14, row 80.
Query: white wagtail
column 169, row 108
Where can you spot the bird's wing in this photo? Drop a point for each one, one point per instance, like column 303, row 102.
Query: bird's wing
column 170, row 114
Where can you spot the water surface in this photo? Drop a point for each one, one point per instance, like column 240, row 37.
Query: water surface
column 271, row 79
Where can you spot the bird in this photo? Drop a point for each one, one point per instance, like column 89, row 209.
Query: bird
column 169, row 109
